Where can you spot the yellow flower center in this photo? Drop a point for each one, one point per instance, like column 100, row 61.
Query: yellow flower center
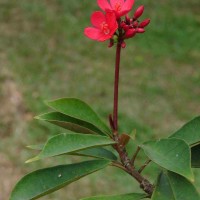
column 118, row 6
column 105, row 29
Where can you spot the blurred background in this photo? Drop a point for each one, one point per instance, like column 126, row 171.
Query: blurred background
column 44, row 55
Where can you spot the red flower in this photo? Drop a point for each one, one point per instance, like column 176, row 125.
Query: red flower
column 120, row 7
column 104, row 26
column 139, row 12
column 144, row 23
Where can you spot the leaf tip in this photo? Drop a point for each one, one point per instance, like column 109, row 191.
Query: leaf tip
column 37, row 117
column 32, row 159
column 47, row 102
column 29, row 147
column 40, row 117
column 192, row 179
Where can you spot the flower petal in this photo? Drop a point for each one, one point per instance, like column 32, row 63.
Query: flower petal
column 111, row 19
column 127, row 6
column 113, row 29
column 104, row 5
column 92, row 33
column 103, row 37
column 115, row 3
column 97, row 18
column 122, row 13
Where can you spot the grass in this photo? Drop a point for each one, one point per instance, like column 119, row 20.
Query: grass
column 44, row 55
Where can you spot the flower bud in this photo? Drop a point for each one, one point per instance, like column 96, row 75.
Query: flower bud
column 130, row 33
column 126, row 28
column 144, row 23
column 140, row 30
column 122, row 24
column 111, row 43
column 123, row 44
column 127, row 19
column 138, row 12
column 135, row 24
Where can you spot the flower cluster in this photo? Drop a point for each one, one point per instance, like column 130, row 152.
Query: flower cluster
column 131, row 26
column 104, row 26
column 109, row 23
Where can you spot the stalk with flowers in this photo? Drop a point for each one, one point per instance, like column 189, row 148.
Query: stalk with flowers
column 87, row 135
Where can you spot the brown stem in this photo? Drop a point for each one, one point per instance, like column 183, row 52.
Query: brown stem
column 143, row 166
column 116, row 86
column 126, row 162
column 134, row 156
column 119, row 165
column 111, row 123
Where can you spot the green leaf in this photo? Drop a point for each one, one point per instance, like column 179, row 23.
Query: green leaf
column 97, row 152
column 190, row 132
column 172, row 154
column 171, row 186
column 45, row 181
column 70, row 143
column 37, row 147
column 79, row 110
column 69, row 123
column 195, row 152
column 132, row 196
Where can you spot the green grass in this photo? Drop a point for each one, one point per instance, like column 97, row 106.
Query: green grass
column 45, row 55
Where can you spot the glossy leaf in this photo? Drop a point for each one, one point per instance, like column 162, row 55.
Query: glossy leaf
column 172, row 154
column 195, row 152
column 79, row 110
column 37, row 147
column 171, row 186
column 69, row 123
column 70, row 143
column 45, row 181
column 97, row 152
column 132, row 196
column 190, row 132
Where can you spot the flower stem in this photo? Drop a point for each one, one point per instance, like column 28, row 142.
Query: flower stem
column 116, row 86
column 126, row 163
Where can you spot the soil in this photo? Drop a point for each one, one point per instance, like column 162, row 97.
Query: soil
column 12, row 114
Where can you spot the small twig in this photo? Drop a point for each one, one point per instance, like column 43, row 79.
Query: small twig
column 111, row 122
column 143, row 166
column 119, row 165
column 135, row 155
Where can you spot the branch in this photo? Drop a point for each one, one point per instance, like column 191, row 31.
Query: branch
column 135, row 155
column 126, row 163
column 119, row 165
column 143, row 166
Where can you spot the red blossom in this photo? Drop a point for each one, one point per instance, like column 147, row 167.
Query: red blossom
column 140, row 30
column 130, row 33
column 139, row 12
column 144, row 23
column 104, row 26
column 132, row 26
column 120, row 7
